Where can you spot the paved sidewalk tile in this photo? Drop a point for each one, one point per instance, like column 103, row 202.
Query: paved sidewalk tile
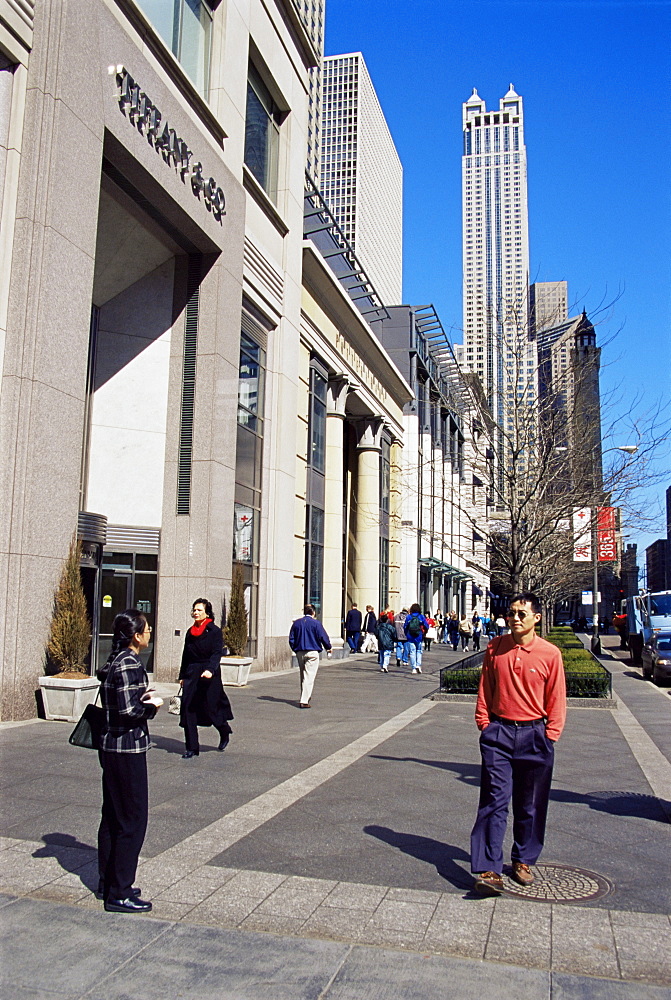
column 206, row 964
column 643, row 948
column 460, row 926
column 390, row 975
column 520, row 934
column 567, row 987
column 583, row 942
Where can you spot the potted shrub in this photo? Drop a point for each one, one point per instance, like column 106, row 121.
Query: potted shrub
column 235, row 665
column 67, row 687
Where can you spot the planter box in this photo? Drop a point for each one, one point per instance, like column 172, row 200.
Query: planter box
column 64, row 699
column 235, row 670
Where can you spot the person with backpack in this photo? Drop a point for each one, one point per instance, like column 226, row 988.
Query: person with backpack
column 401, row 641
column 386, row 638
column 415, row 628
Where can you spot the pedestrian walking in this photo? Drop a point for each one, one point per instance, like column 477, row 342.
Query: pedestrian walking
column 520, row 712
column 465, row 630
column 353, row 628
column 476, row 623
column 430, row 633
column 415, row 627
column 453, row 630
column 401, row 641
column 500, row 624
column 128, row 703
column 306, row 638
column 386, row 637
column 204, row 701
column 369, row 635
column 440, row 625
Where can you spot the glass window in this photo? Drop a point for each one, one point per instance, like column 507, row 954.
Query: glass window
column 314, row 557
column 317, row 422
column 185, row 27
column 262, row 134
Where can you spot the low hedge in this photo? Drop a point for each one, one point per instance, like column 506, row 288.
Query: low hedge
column 585, row 677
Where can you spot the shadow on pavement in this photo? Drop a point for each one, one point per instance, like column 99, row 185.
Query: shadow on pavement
column 469, row 773
column 73, row 857
column 633, row 804
column 442, row 856
column 168, row 744
column 284, row 701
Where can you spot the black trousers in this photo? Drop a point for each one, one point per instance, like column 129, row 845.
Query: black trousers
column 190, row 717
column 123, row 823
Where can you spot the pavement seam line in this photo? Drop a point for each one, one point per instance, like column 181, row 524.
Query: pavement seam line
column 131, row 958
column 652, row 762
column 242, row 821
column 615, row 948
column 325, row 991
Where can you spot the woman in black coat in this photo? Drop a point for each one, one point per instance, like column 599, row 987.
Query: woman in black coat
column 204, row 702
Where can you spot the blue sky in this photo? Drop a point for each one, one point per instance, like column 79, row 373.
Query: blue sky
column 595, row 77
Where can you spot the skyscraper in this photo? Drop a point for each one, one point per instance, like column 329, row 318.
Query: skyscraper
column 548, row 304
column 361, row 173
column 496, row 344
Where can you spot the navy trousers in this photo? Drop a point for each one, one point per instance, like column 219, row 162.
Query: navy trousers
column 353, row 640
column 517, row 763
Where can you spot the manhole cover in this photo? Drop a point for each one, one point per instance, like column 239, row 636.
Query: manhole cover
column 560, row 884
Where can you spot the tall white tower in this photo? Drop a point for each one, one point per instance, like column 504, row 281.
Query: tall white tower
column 496, row 345
column 361, row 173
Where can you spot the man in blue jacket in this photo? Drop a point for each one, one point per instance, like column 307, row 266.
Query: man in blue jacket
column 307, row 637
column 353, row 628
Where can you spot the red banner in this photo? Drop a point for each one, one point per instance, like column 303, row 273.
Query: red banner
column 606, row 542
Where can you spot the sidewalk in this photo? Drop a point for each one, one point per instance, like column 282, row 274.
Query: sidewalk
column 282, row 867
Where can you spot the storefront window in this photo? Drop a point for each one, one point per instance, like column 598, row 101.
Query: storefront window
column 186, row 27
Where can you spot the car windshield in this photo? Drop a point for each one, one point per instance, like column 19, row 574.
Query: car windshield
column 664, row 642
column 660, row 604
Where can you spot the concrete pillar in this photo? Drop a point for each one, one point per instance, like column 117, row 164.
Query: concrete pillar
column 366, row 511
column 395, row 516
column 333, row 582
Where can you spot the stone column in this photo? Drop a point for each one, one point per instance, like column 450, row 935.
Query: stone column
column 333, row 582
column 366, row 511
column 395, row 516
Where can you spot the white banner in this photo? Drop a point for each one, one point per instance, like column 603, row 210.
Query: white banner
column 582, row 534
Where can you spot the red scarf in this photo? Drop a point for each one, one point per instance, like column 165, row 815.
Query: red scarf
column 199, row 629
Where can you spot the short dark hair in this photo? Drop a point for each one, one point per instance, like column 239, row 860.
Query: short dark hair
column 415, row 609
column 528, row 598
column 309, row 609
column 206, row 604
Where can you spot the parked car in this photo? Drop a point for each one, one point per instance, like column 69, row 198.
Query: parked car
column 656, row 658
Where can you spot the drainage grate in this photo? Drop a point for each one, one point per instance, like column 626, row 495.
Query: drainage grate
column 560, row 884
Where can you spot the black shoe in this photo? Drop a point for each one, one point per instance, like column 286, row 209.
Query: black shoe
column 100, row 891
column 223, row 743
column 131, row 905
column 190, row 753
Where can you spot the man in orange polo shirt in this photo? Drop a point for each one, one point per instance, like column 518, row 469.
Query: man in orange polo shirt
column 520, row 712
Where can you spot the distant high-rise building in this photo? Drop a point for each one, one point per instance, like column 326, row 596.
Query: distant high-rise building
column 496, row 344
column 361, row 173
column 548, row 304
column 312, row 16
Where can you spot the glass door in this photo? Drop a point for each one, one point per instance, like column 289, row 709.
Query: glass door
column 115, row 598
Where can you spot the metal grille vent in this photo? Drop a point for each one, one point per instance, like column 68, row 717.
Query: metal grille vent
column 129, row 538
column 188, row 386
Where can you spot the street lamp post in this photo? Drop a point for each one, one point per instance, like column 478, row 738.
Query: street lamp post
column 630, row 449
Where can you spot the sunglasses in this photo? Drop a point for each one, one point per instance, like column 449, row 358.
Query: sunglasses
column 518, row 614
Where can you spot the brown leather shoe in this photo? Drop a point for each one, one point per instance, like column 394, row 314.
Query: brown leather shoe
column 488, row 884
column 522, row 873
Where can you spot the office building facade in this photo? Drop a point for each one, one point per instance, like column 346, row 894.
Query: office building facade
column 548, row 304
column 361, row 173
